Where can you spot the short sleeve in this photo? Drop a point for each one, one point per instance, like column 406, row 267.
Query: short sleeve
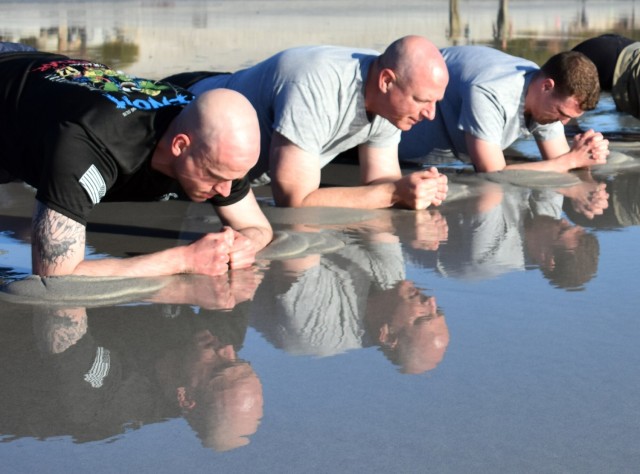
column 239, row 189
column 301, row 117
column 76, row 176
column 482, row 115
column 547, row 132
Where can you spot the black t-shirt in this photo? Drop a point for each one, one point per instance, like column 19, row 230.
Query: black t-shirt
column 604, row 50
column 81, row 133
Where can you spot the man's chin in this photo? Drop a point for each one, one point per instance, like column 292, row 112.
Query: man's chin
column 405, row 125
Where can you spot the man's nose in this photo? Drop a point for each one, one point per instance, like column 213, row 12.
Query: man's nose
column 224, row 188
column 429, row 112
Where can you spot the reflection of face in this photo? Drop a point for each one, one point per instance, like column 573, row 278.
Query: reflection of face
column 549, row 239
column 226, row 394
column 422, row 332
column 231, row 406
column 413, row 328
column 422, row 347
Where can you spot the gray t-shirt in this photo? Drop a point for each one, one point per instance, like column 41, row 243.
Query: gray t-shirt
column 314, row 96
column 488, row 244
column 484, row 97
column 322, row 312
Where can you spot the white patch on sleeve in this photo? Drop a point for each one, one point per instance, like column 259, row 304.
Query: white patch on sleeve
column 100, row 368
column 93, row 183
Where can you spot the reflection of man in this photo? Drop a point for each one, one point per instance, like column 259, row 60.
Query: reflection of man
column 493, row 99
column 106, row 371
column 508, row 229
column 353, row 298
column 219, row 394
column 315, row 102
column 622, row 210
column 411, row 330
column 566, row 254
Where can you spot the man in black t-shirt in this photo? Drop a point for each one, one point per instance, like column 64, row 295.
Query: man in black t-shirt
column 82, row 133
column 617, row 59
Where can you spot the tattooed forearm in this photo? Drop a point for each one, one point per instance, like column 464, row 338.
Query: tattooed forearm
column 56, row 239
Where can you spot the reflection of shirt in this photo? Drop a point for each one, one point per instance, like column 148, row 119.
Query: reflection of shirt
column 322, row 312
column 485, row 98
column 106, row 383
column 486, row 245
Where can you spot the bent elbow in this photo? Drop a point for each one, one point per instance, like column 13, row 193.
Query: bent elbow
column 286, row 200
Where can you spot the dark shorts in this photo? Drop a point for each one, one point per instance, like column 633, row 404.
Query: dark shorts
column 604, row 50
column 187, row 79
column 6, row 47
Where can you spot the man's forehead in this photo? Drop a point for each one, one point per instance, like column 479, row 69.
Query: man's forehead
column 570, row 107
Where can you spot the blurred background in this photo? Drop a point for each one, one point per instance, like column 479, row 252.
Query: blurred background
column 157, row 37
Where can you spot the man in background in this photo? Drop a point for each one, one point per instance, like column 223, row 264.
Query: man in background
column 315, row 102
column 494, row 98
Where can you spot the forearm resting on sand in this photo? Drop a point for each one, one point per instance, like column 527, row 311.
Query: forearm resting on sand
column 58, row 248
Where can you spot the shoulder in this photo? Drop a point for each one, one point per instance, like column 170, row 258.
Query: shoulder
column 485, row 62
column 308, row 59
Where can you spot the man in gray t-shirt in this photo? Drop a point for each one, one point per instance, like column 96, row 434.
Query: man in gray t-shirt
column 493, row 99
column 317, row 101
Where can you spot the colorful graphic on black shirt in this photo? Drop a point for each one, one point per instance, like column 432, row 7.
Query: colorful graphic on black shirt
column 115, row 85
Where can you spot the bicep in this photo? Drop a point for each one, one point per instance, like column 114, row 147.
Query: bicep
column 485, row 156
column 378, row 164
column 58, row 242
column 295, row 173
column 243, row 214
column 553, row 148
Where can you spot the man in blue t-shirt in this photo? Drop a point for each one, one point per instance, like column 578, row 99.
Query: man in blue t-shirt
column 82, row 133
column 494, row 98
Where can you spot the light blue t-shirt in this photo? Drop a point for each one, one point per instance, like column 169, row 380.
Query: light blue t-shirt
column 312, row 95
column 485, row 97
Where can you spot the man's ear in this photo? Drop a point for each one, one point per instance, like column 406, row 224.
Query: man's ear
column 185, row 402
column 386, row 338
column 179, row 143
column 227, row 352
column 548, row 84
column 386, row 79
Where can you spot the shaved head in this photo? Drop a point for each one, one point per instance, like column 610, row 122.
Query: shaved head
column 414, row 56
column 406, row 81
column 223, row 124
column 212, row 142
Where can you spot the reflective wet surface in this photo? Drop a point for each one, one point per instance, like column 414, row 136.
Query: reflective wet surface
column 495, row 334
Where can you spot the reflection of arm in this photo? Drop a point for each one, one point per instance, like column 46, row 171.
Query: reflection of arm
column 59, row 329
column 209, row 292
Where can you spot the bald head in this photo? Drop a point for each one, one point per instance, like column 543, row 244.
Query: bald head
column 214, row 141
column 223, row 125
column 413, row 57
column 406, row 81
